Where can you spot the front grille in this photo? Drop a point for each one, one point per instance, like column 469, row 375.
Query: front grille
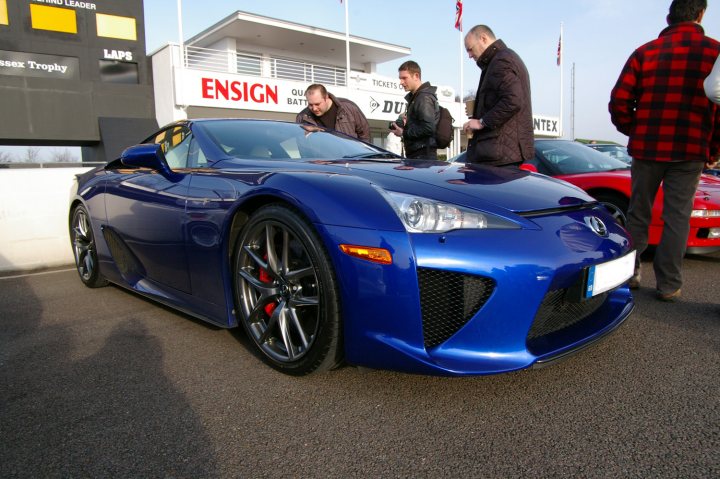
column 557, row 313
column 448, row 301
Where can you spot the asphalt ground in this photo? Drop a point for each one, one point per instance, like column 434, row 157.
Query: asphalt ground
column 104, row 383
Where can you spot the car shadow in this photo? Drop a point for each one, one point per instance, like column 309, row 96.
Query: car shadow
column 706, row 258
column 86, row 395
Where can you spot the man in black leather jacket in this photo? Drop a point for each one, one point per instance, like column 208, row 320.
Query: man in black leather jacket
column 417, row 126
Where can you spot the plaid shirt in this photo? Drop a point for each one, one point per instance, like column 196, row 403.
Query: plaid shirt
column 659, row 101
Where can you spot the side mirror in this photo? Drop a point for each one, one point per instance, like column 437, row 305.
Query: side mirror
column 146, row 155
column 529, row 167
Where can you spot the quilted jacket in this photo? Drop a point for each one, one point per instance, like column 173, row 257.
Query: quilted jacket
column 504, row 105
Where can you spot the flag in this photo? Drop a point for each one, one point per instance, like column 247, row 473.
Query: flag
column 559, row 50
column 458, row 15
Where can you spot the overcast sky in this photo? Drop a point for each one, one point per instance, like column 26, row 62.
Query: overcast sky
column 598, row 37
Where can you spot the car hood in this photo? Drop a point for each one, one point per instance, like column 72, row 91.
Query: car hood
column 473, row 186
column 709, row 185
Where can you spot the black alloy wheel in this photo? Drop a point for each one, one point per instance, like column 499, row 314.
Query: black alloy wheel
column 286, row 292
column 84, row 249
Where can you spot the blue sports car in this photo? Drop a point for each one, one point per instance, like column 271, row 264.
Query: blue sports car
column 328, row 250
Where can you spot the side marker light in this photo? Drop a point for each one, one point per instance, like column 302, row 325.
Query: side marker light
column 374, row 255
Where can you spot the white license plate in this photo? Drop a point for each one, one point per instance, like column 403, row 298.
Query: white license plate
column 606, row 276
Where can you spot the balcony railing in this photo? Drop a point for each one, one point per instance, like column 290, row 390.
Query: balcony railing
column 253, row 64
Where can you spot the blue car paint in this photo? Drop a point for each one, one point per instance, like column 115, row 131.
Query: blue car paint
column 388, row 327
column 184, row 245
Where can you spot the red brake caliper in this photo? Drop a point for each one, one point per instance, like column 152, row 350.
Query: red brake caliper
column 264, row 276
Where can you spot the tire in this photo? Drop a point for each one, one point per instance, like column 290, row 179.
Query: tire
column 286, row 293
column 85, row 249
column 616, row 204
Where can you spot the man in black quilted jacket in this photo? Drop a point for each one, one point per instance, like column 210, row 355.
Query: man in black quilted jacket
column 500, row 130
column 418, row 125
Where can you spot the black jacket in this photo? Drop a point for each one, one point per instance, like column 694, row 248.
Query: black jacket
column 503, row 103
column 423, row 112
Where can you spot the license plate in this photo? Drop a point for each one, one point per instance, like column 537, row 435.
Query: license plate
column 606, row 276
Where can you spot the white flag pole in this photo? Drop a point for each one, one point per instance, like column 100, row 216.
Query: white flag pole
column 180, row 96
column 560, row 58
column 180, row 26
column 462, row 57
column 347, row 44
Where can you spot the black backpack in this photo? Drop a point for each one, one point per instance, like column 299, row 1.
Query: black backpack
column 444, row 128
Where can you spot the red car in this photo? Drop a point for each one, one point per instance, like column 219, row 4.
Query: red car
column 608, row 180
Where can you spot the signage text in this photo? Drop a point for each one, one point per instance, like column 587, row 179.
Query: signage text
column 213, row 88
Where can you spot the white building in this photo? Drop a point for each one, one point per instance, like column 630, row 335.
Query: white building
column 258, row 67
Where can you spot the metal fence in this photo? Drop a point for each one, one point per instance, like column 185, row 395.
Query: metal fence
column 253, row 64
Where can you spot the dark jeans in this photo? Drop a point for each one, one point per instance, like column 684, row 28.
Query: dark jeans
column 679, row 182
column 424, row 153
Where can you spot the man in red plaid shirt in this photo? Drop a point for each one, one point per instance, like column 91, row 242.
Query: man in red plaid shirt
column 674, row 130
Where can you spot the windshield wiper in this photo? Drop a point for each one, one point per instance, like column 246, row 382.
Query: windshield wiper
column 375, row 154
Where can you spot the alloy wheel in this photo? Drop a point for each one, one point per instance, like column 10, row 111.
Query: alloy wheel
column 279, row 291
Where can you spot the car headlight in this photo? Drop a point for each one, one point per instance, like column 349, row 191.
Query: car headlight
column 423, row 215
column 705, row 213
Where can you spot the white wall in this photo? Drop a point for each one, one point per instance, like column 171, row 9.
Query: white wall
column 166, row 106
column 34, row 217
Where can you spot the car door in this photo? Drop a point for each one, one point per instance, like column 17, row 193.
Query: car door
column 146, row 216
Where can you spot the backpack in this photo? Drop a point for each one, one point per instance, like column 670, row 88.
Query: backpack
column 444, row 128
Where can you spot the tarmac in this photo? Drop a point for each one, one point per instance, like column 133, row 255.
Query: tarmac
column 104, row 383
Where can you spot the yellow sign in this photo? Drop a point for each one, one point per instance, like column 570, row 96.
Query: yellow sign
column 43, row 17
column 3, row 13
column 113, row 26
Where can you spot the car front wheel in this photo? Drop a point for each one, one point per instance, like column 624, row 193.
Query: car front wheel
column 287, row 293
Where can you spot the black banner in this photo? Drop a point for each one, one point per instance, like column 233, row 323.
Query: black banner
column 25, row 64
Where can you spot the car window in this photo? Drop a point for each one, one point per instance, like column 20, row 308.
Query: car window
column 615, row 151
column 567, row 157
column 178, row 145
column 260, row 140
column 537, row 163
column 175, row 145
column 196, row 157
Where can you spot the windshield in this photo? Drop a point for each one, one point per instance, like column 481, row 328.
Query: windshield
column 568, row 157
column 258, row 139
column 616, row 151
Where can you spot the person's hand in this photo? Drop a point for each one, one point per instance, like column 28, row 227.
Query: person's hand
column 472, row 125
column 396, row 130
column 713, row 163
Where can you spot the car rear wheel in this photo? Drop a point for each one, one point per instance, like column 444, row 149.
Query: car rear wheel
column 616, row 204
column 286, row 292
column 84, row 249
